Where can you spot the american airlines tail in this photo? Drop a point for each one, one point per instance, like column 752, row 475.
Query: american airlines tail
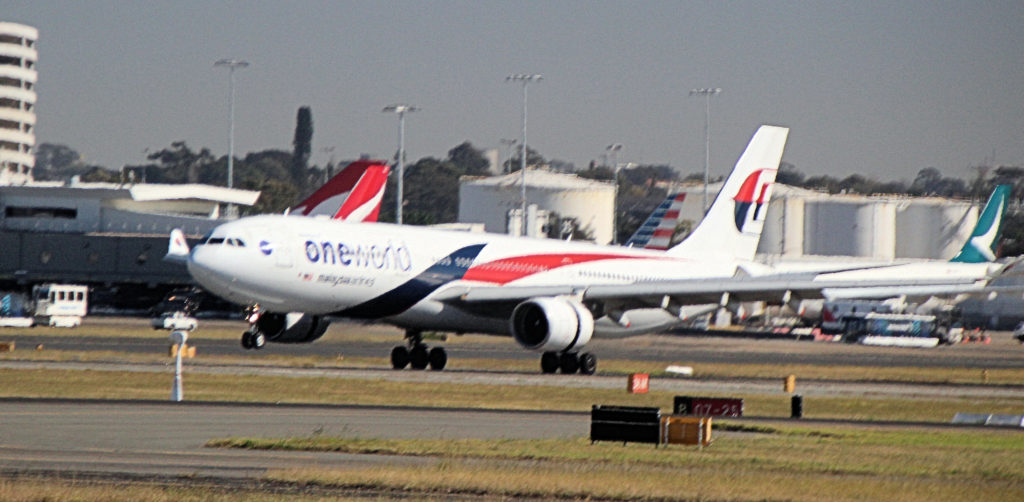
column 981, row 246
column 656, row 232
column 354, row 194
column 732, row 226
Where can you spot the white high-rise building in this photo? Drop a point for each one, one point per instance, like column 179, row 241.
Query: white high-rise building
column 18, row 57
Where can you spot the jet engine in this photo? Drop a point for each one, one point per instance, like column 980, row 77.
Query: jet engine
column 551, row 324
column 294, row 327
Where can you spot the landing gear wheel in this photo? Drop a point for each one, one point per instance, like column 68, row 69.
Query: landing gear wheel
column 588, row 363
column 570, row 363
column 438, row 358
column 418, row 357
column 549, row 362
column 247, row 340
column 399, row 357
column 259, row 340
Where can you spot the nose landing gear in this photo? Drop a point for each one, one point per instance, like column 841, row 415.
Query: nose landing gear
column 253, row 338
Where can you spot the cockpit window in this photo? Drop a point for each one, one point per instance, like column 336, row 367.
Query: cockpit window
column 215, row 240
column 231, row 241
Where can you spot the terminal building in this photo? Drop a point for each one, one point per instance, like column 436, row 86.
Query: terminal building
column 110, row 237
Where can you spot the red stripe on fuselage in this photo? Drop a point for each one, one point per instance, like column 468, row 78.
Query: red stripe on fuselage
column 507, row 270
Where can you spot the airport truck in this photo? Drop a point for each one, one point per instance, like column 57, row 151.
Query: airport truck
column 900, row 330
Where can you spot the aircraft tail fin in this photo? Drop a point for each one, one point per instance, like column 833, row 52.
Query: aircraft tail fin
column 363, row 202
column 981, row 246
column 353, row 194
column 656, row 232
column 177, row 247
column 732, row 226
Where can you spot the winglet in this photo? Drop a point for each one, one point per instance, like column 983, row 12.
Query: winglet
column 177, row 247
column 981, row 246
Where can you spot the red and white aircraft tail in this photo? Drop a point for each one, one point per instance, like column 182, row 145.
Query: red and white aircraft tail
column 354, row 194
column 732, row 226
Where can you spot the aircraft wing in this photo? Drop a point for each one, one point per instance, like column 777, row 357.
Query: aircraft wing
column 773, row 289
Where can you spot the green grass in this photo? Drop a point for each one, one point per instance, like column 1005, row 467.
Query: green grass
column 28, row 489
column 256, row 388
column 785, row 463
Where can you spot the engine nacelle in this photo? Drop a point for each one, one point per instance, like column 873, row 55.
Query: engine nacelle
column 551, row 324
column 293, row 327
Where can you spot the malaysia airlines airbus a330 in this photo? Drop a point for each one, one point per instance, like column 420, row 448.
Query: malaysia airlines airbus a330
column 550, row 296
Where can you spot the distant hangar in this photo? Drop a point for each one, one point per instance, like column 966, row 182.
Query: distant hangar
column 103, row 234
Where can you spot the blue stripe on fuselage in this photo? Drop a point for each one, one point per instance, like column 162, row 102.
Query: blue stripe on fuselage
column 448, row 269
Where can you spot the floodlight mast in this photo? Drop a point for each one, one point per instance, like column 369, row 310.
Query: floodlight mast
column 401, row 110
column 525, row 80
column 707, row 93
column 231, row 65
column 614, row 149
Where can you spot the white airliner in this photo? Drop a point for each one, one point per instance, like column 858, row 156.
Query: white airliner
column 550, row 296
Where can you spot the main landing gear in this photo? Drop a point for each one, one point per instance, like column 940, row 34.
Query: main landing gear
column 568, row 362
column 417, row 355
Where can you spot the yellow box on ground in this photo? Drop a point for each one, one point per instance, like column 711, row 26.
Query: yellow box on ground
column 677, row 429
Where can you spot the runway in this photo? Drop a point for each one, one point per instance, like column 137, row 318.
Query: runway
column 1003, row 352
column 166, row 439
column 743, row 386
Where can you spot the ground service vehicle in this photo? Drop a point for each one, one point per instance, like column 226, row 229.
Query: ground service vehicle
column 913, row 330
column 60, row 305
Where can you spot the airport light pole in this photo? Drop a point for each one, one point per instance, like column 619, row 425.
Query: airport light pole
column 178, row 338
column 401, row 110
column 231, row 65
column 525, row 80
column 613, row 149
column 707, row 93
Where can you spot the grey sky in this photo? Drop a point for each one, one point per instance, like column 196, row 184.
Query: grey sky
column 878, row 88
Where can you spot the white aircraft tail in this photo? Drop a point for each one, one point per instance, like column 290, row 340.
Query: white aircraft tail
column 732, row 226
column 177, row 247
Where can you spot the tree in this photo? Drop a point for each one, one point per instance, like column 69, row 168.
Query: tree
column 97, row 174
column 57, row 162
column 469, row 160
column 303, row 146
column 789, row 175
column 532, row 159
column 179, row 164
column 826, row 183
column 927, row 182
column 597, row 173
